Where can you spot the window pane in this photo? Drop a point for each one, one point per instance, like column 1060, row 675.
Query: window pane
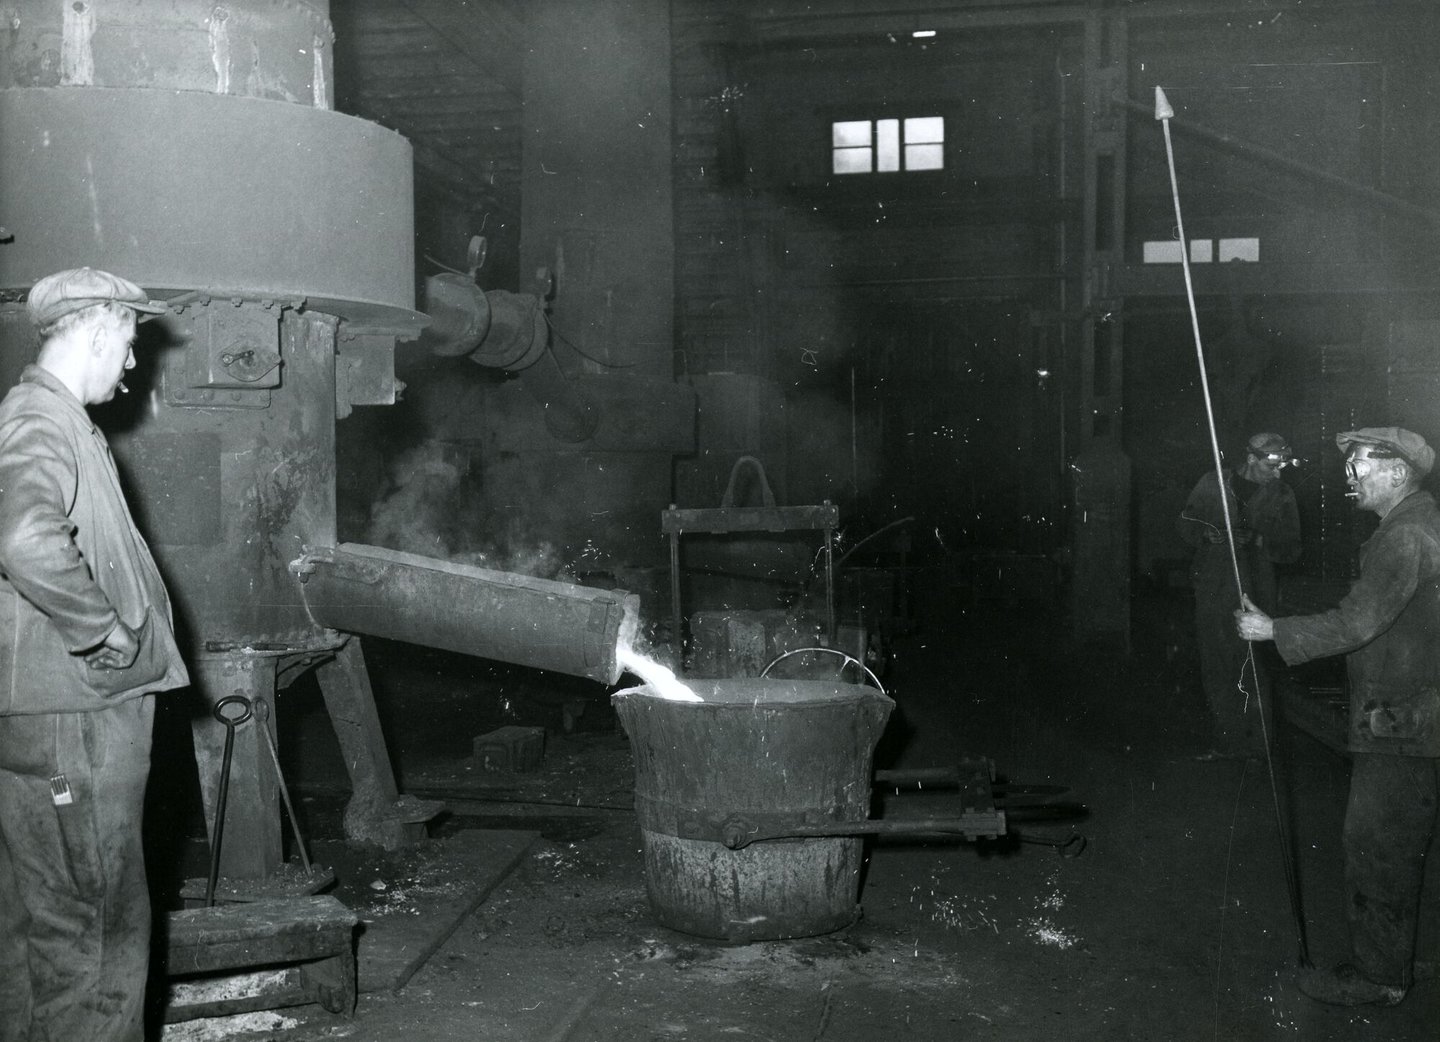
column 887, row 144
column 924, row 157
column 852, row 160
column 925, row 130
column 850, row 134
column 1240, row 249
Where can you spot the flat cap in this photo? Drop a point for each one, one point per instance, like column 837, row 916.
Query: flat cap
column 1395, row 441
column 56, row 296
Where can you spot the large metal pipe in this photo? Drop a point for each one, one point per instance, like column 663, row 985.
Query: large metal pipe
column 475, row 611
column 502, row 330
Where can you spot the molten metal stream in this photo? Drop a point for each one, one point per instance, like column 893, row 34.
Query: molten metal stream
column 662, row 679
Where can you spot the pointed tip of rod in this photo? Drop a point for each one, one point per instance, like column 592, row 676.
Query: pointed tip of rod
column 1162, row 104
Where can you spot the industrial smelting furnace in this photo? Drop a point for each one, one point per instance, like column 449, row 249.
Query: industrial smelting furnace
column 190, row 147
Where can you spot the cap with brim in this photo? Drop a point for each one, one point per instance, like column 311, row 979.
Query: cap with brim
column 1394, row 441
column 66, row 292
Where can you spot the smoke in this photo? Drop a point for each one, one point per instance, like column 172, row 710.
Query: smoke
column 433, row 506
column 833, row 454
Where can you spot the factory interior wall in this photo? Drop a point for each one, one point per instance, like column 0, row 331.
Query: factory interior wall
column 909, row 303
column 908, row 345
column 595, row 238
column 892, row 313
column 596, row 207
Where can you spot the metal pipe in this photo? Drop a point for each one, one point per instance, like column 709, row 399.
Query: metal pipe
column 475, row 611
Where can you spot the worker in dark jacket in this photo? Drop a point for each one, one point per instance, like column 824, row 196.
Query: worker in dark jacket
column 1388, row 628
column 1267, row 532
column 85, row 636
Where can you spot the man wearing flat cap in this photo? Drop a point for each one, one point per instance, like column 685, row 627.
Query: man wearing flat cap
column 1266, row 527
column 1388, row 628
column 85, row 637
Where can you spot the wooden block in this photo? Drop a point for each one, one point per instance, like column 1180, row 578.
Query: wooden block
column 317, row 933
column 290, row 881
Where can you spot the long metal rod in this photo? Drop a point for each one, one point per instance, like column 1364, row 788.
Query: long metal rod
column 1164, row 113
column 262, row 715
column 986, row 826
column 830, row 586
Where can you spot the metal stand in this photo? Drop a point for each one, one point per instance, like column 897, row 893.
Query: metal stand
column 728, row 518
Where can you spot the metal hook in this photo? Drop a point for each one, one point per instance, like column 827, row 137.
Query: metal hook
column 230, row 723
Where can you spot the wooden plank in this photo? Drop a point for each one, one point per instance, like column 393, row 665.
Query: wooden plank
column 201, row 940
column 434, row 128
column 423, row 65
column 433, row 100
column 237, row 993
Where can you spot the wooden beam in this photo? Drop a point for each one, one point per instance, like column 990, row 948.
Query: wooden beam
column 477, row 108
column 420, row 66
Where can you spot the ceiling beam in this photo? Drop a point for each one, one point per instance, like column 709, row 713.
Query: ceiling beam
column 800, row 21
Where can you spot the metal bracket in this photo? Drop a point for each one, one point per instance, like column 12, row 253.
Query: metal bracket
column 733, row 828
column 738, row 828
column 364, row 369
column 231, row 357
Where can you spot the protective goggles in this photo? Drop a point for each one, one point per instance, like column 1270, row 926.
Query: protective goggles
column 1355, row 473
column 1278, row 460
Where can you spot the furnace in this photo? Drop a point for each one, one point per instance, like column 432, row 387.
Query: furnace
column 194, row 148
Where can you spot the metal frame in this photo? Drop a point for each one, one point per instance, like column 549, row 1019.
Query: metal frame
column 726, row 519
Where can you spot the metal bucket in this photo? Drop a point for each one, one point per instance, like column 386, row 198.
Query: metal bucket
column 756, row 753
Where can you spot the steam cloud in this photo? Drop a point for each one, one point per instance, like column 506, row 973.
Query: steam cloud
column 434, row 506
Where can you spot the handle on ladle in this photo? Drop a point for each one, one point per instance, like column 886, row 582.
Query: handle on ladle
column 850, row 660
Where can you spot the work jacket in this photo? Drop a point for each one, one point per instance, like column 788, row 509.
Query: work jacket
column 1267, row 532
column 1388, row 627
column 71, row 562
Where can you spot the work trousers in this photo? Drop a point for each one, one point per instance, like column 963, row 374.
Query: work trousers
column 1389, row 823
column 74, row 904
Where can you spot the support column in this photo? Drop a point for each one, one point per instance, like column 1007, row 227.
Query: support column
column 250, row 841
column 1100, row 508
column 377, row 813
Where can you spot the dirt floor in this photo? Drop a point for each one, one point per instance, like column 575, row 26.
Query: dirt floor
column 1173, row 924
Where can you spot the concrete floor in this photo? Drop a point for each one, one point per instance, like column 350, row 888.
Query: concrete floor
column 1174, row 924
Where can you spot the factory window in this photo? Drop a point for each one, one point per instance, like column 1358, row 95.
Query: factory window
column 1202, row 251
column 868, row 146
